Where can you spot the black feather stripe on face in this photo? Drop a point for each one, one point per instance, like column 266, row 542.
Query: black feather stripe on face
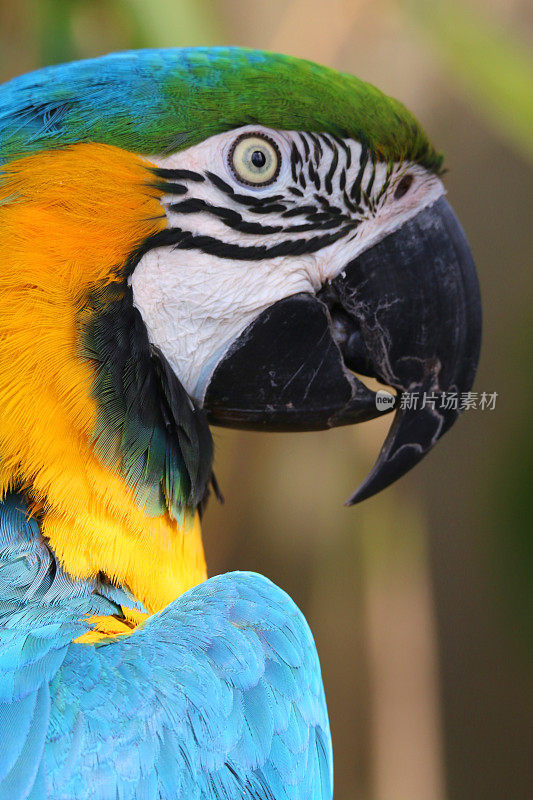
column 184, row 240
column 315, row 159
column 147, row 423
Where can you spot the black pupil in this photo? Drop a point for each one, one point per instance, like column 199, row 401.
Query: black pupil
column 403, row 187
column 258, row 159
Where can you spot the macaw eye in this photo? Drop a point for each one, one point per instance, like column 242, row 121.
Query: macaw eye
column 254, row 159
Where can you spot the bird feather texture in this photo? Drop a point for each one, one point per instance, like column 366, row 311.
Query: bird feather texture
column 160, row 101
column 88, row 508
column 217, row 696
column 124, row 673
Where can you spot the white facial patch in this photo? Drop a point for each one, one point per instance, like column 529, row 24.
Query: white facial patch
column 237, row 248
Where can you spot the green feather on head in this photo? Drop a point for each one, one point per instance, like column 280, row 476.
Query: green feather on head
column 160, row 101
column 154, row 103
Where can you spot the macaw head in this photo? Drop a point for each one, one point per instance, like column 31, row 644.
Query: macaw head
column 303, row 240
column 222, row 235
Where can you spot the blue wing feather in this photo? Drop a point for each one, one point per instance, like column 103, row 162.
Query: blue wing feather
column 217, row 697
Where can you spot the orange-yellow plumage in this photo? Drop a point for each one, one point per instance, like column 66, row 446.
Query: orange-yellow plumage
column 68, row 221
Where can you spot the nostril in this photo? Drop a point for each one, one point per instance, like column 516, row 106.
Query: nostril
column 403, row 186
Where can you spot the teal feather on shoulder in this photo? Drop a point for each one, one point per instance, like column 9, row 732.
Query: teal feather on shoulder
column 219, row 696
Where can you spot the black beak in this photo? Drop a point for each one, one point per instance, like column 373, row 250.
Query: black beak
column 406, row 311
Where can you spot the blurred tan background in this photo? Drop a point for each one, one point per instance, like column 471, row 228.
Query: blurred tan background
column 418, row 597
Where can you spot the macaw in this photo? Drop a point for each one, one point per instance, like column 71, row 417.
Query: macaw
column 195, row 236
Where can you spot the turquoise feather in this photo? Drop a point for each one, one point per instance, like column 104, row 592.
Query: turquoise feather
column 160, row 101
column 217, row 697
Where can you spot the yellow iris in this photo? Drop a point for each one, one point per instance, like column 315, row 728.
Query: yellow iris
column 255, row 160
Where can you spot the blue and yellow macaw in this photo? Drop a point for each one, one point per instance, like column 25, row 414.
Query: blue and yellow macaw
column 193, row 236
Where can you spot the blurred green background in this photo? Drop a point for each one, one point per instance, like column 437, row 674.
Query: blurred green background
column 418, row 598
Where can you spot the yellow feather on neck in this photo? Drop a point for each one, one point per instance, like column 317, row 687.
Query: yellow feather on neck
column 68, row 221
